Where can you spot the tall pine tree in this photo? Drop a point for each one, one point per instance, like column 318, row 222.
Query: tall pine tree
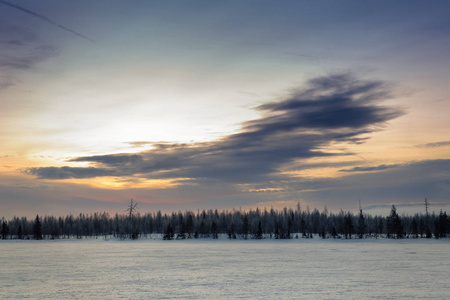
column 37, row 228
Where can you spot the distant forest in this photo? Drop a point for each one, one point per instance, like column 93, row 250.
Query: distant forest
column 235, row 224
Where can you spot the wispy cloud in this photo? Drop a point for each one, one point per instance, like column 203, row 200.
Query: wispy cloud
column 434, row 145
column 20, row 50
column 45, row 19
column 139, row 144
column 370, row 169
column 331, row 108
column 5, row 82
column 24, row 61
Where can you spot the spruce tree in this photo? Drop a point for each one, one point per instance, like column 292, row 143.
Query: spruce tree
column 414, row 229
column 259, row 232
column 245, row 226
column 190, row 225
column 19, row 232
column 348, row 225
column 168, row 234
column 442, row 224
column 394, row 224
column 37, row 228
column 214, row 233
column 5, row 230
column 361, row 225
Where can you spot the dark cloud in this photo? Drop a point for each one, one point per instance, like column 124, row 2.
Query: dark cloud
column 370, row 169
column 402, row 184
column 112, row 160
column 434, row 145
column 332, row 102
column 331, row 108
column 319, row 165
column 68, row 172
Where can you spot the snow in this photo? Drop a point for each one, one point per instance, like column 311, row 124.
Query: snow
column 223, row 269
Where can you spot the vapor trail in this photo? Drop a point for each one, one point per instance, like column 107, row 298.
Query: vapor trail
column 44, row 18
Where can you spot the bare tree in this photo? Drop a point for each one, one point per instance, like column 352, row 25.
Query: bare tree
column 131, row 209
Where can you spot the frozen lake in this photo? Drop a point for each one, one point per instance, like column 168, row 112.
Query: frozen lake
column 222, row 269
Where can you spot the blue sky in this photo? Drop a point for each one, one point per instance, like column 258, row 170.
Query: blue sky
column 200, row 104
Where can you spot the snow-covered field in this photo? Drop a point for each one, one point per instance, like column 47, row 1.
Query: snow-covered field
column 222, row 269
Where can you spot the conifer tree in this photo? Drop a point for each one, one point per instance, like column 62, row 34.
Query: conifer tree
column 348, row 225
column 394, row 224
column 259, row 232
column 361, row 225
column 5, row 230
column 414, row 229
column 19, row 232
column 214, row 232
column 190, row 225
column 168, row 234
column 245, row 226
column 231, row 233
column 37, row 228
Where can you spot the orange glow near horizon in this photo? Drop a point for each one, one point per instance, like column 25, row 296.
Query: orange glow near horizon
column 120, row 183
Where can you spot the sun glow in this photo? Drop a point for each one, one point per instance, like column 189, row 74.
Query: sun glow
column 120, row 183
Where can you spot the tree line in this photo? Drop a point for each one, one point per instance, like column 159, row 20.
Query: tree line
column 235, row 224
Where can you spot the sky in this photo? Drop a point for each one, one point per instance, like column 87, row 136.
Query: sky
column 186, row 105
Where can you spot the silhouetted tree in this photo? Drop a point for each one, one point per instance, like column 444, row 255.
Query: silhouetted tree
column 333, row 232
column 361, row 225
column 181, row 231
column 441, row 225
column 394, row 224
column 190, row 225
column 277, row 224
column 231, row 233
column 37, row 228
column 5, row 230
column 131, row 209
column 168, row 234
column 19, row 232
column 348, row 225
column 277, row 231
column 245, row 226
column 214, row 232
column 303, row 227
column 259, row 233
column 414, row 228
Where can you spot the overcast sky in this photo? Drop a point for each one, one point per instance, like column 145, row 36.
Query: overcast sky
column 223, row 104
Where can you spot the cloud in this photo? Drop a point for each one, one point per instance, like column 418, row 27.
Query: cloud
column 402, row 184
column 370, row 169
column 336, row 101
column 20, row 50
column 112, row 160
column 434, row 145
column 5, row 82
column 331, row 108
column 68, row 172
column 28, row 58
column 139, row 144
column 419, row 204
column 45, row 19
